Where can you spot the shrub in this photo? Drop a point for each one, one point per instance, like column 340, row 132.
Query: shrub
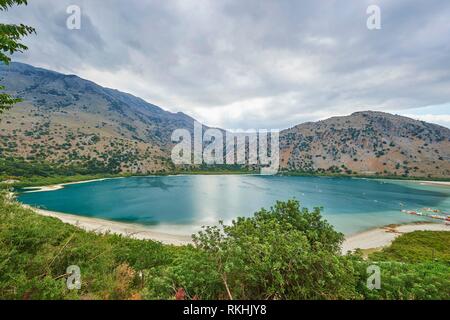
column 283, row 253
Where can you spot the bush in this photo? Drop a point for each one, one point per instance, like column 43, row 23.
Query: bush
column 35, row 252
column 406, row 281
column 284, row 253
column 418, row 246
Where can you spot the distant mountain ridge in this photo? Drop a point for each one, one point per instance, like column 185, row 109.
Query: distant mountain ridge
column 65, row 119
column 370, row 143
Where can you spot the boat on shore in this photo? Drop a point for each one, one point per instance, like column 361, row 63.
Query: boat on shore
column 429, row 213
column 415, row 213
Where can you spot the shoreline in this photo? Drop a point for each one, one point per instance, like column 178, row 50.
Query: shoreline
column 380, row 237
column 375, row 238
column 371, row 239
column 434, row 183
column 59, row 186
column 54, row 187
column 421, row 182
column 103, row 226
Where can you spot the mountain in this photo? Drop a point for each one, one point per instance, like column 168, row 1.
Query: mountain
column 368, row 143
column 65, row 120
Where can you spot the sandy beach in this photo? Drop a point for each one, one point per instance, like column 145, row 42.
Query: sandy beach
column 382, row 237
column 61, row 185
column 434, row 183
column 106, row 226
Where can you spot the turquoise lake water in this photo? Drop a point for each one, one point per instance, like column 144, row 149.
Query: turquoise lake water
column 182, row 204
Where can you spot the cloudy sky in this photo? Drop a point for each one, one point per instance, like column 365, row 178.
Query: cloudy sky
column 254, row 63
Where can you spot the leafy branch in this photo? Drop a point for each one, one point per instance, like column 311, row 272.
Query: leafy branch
column 10, row 36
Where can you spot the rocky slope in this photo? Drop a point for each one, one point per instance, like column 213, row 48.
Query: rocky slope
column 67, row 120
column 368, row 143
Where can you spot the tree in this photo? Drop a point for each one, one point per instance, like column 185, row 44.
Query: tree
column 10, row 36
column 286, row 252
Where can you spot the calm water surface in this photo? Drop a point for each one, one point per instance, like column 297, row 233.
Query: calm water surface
column 181, row 204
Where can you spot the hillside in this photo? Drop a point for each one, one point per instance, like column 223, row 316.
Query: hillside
column 368, row 143
column 65, row 120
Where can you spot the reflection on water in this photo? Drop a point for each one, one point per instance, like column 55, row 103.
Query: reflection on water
column 183, row 203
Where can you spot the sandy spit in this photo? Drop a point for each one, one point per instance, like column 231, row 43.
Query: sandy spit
column 382, row 237
column 435, row 183
column 61, row 185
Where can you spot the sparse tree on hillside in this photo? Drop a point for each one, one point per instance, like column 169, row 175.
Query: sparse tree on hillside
column 10, row 35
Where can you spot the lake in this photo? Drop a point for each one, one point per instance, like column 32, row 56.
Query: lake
column 181, row 204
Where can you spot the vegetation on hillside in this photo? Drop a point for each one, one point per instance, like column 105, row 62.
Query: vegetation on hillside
column 20, row 168
column 65, row 120
column 367, row 143
column 287, row 252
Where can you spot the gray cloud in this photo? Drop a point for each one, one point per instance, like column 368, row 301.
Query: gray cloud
column 260, row 64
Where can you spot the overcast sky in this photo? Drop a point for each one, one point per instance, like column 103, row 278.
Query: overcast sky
column 254, row 64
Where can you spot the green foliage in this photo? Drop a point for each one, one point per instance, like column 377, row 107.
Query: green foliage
column 35, row 252
column 5, row 4
column 418, row 246
column 415, row 266
column 319, row 233
column 20, row 168
column 284, row 253
column 6, row 101
column 10, row 35
column 191, row 269
column 407, row 281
